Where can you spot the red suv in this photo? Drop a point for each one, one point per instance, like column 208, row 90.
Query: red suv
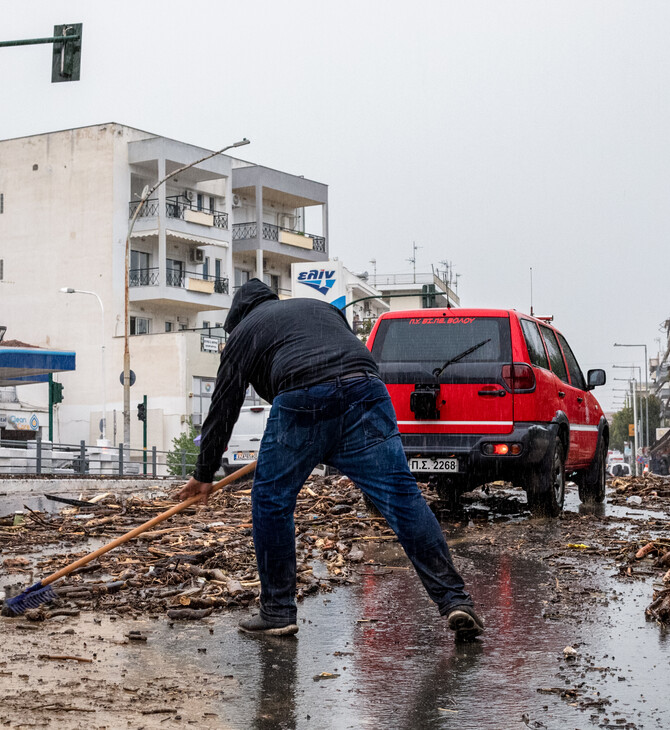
column 488, row 394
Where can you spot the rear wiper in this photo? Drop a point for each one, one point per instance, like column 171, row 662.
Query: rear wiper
column 438, row 371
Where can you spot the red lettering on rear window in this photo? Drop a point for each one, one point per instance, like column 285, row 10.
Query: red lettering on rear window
column 441, row 320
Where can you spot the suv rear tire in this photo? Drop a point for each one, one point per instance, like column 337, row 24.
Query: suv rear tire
column 593, row 481
column 546, row 487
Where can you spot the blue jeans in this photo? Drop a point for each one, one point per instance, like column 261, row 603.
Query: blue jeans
column 349, row 424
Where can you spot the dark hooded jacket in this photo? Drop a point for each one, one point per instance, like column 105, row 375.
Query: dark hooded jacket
column 276, row 346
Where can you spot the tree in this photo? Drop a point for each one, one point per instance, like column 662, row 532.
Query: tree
column 184, row 454
column 621, row 419
column 364, row 328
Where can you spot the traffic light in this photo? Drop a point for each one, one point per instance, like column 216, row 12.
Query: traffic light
column 56, row 392
column 428, row 296
column 141, row 412
column 66, row 59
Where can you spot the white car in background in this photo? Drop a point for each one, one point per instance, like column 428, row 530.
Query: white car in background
column 247, row 434
column 619, row 469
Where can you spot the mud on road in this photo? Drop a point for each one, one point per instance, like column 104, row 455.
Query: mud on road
column 147, row 636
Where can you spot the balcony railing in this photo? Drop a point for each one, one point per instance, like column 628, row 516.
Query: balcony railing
column 175, row 206
column 149, row 209
column 174, row 277
column 246, row 231
column 143, row 277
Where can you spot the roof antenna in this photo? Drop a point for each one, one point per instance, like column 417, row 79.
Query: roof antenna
column 531, row 291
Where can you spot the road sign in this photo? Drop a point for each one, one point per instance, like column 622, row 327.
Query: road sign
column 631, row 429
column 132, row 378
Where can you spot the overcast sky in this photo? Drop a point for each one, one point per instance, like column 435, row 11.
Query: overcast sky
column 497, row 135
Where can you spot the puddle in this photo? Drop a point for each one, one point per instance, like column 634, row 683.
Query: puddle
column 397, row 663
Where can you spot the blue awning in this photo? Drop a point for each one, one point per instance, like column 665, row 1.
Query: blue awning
column 22, row 365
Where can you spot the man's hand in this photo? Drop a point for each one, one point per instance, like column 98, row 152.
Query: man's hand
column 192, row 488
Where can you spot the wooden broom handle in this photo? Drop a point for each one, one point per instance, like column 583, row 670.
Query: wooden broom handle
column 153, row 521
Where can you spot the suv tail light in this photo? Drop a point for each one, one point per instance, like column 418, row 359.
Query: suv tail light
column 519, row 377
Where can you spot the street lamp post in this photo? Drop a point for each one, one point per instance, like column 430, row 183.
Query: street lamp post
column 70, row 290
column 146, row 194
column 645, row 441
column 646, row 387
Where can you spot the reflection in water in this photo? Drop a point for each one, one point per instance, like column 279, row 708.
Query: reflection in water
column 404, row 647
column 450, row 675
column 275, row 707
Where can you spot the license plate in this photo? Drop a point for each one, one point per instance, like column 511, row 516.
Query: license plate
column 440, row 465
column 244, row 455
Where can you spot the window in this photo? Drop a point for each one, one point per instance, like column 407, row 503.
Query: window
column 429, row 342
column 199, row 201
column 205, row 324
column 139, row 326
column 2, row 202
column 241, row 277
column 168, row 326
column 182, row 327
column 576, row 375
column 139, row 274
column 251, row 398
column 174, row 272
column 217, row 268
column 555, row 356
column 203, row 388
column 536, row 352
column 205, row 268
column 272, row 280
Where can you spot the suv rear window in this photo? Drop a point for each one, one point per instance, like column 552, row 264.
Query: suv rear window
column 430, row 342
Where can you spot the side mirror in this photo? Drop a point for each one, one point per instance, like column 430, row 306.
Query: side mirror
column 596, row 378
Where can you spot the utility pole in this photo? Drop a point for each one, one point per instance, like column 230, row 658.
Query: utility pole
column 633, row 389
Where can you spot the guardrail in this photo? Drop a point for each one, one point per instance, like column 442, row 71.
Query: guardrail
column 44, row 458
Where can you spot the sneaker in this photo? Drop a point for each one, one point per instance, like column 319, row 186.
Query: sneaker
column 258, row 625
column 465, row 622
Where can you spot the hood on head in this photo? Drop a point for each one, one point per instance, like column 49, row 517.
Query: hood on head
column 247, row 298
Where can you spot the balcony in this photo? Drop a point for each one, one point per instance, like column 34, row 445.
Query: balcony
column 179, row 207
column 277, row 234
column 192, row 289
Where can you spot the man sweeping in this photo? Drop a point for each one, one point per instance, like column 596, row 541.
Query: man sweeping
column 328, row 407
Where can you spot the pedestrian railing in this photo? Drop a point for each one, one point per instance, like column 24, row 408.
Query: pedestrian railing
column 40, row 457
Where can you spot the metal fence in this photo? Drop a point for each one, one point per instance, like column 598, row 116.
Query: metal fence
column 44, row 458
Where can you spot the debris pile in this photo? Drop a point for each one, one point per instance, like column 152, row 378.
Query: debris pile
column 202, row 562
column 650, row 558
column 650, row 491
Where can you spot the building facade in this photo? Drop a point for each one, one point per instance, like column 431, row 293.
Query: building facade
column 66, row 201
column 415, row 290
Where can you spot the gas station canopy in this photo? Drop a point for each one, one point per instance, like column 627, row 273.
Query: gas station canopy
column 25, row 364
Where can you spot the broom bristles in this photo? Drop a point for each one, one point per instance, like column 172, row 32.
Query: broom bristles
column 32, row 597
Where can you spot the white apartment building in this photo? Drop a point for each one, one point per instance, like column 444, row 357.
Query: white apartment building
column 415, row 290
column 66, row 198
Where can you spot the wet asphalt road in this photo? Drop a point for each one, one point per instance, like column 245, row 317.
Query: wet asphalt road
column 394, row 662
